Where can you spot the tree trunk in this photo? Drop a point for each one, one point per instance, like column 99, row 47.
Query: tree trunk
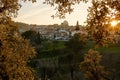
column 72, row 73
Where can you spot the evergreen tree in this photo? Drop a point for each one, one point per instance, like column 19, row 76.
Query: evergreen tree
column 77, row 26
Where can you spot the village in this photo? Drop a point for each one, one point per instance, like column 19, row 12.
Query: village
column 55, row 31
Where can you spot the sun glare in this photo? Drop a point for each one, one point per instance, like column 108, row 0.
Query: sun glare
column 114, row 23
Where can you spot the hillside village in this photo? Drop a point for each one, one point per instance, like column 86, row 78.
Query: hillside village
column 55, row 31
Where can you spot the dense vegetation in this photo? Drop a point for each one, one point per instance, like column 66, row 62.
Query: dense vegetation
column 60, row 60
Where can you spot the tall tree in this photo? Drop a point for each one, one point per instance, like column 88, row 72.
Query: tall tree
column 77, row 26
column 15, row 51
column 92, row 68
column 75, row 45
column 99, row 28
column 97, row 22
column 101, row 13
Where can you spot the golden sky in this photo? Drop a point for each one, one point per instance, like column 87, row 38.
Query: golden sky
column 39, row 13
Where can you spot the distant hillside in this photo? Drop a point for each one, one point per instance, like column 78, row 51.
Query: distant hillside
column 24, row 27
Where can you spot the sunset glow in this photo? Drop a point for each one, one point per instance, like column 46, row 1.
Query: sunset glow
column 114, row 23
column 40, row 14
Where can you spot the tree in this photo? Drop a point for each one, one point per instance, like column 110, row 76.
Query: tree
column 97, row 22
column 99, row 18
column 9, row 9
column 76, row 43
column 33, row 36
column 63, row 6
column 15, row 52
column 77, row 26
column 35, row 39
column 99, row 28
column 92, row 68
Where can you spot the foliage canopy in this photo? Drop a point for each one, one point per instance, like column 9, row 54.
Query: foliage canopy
column 92, row 68
column 9, row 8
column 15, row 52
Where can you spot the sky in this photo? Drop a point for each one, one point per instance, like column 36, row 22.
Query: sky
column 40, row 14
